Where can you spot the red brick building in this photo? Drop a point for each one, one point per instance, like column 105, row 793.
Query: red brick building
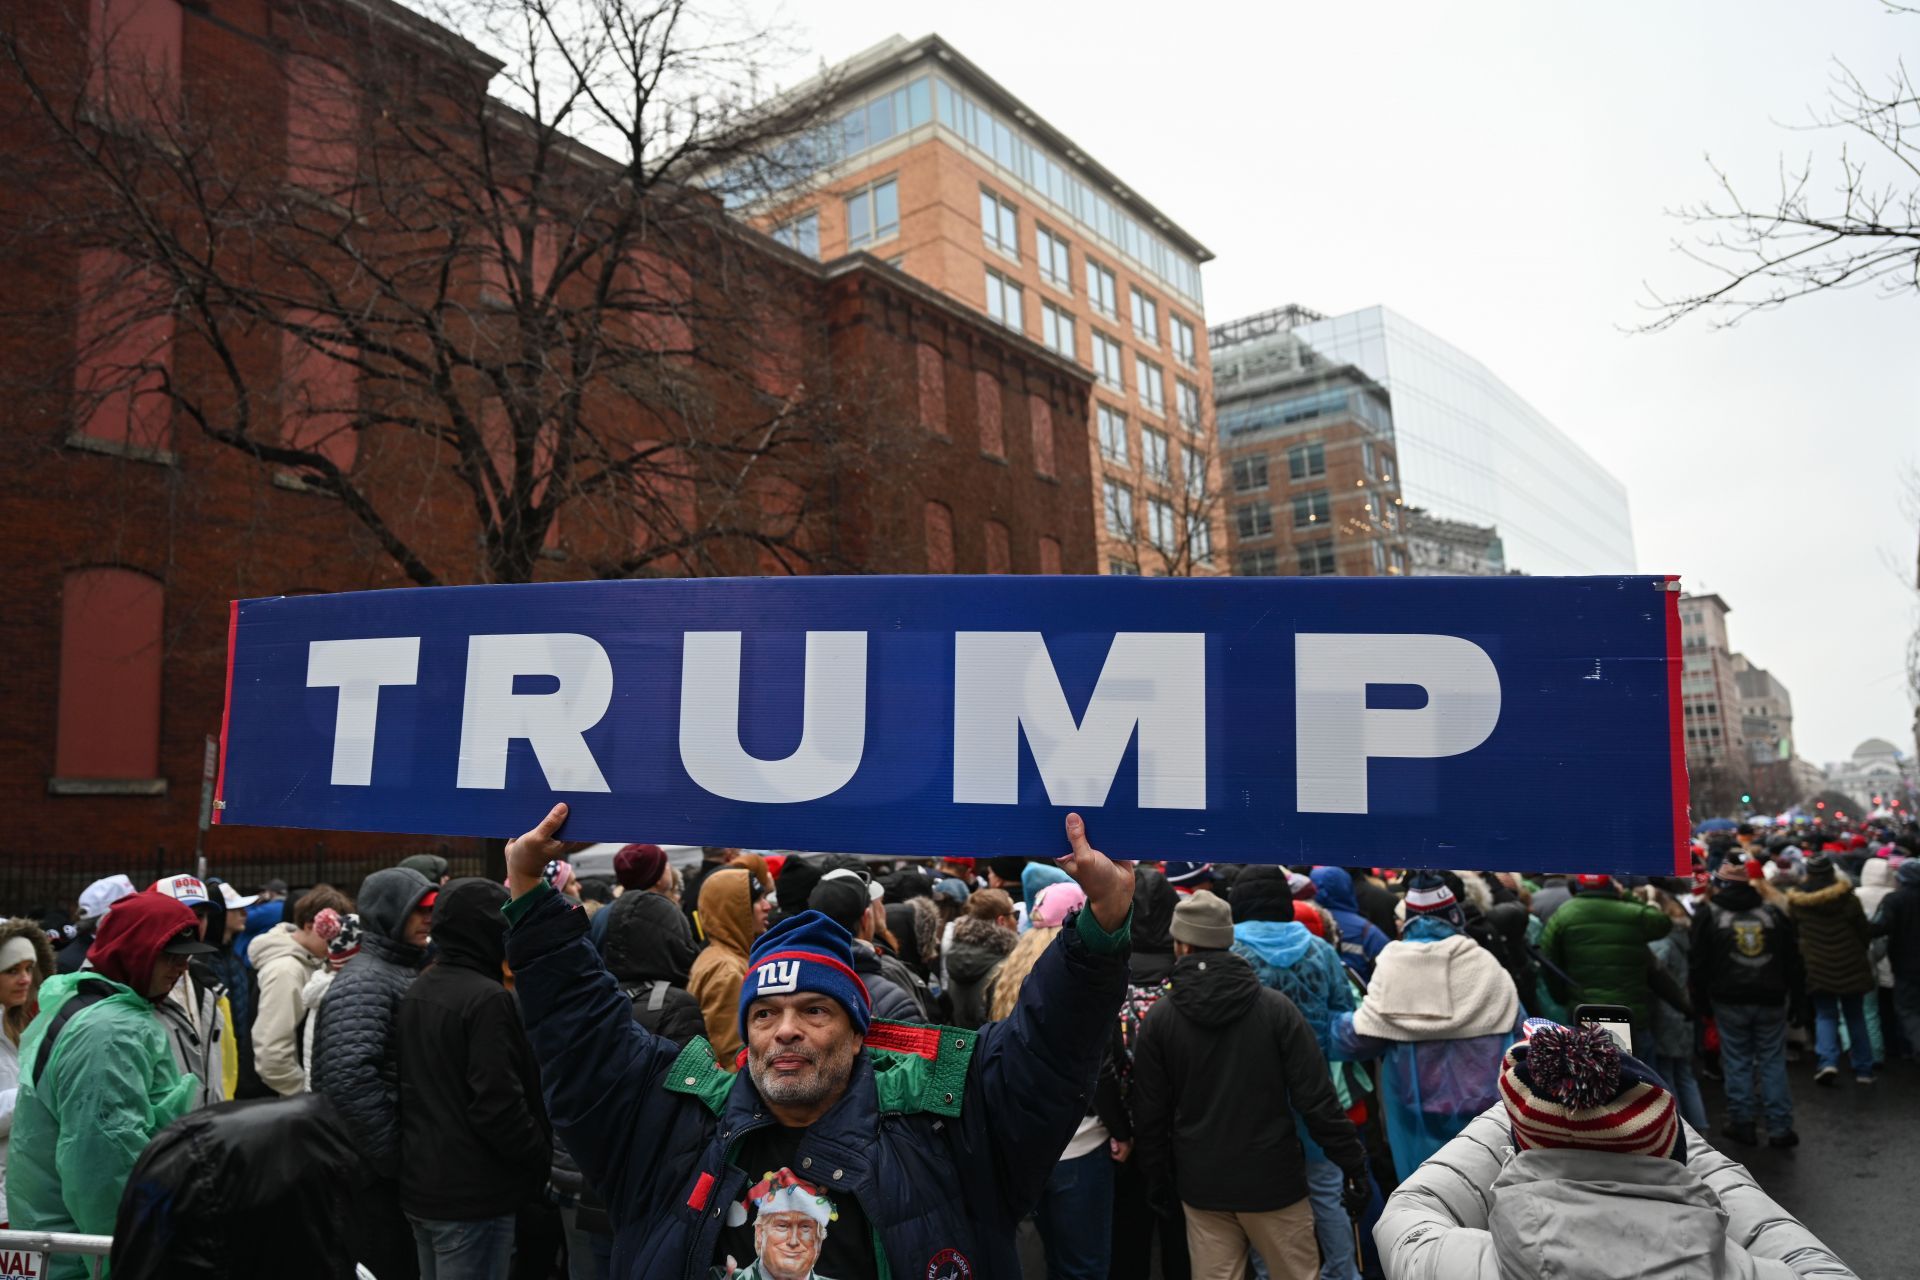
column 131, row 527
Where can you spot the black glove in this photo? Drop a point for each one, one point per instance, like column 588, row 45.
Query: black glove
column 1356, row 1192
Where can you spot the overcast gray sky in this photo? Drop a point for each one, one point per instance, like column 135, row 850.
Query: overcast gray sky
column 1498, row 172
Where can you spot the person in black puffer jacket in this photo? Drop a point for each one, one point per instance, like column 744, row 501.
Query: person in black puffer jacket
column 356, row 1064
column 474, row 1138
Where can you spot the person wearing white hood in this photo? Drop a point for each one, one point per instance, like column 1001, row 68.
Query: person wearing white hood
column 1883, row 1024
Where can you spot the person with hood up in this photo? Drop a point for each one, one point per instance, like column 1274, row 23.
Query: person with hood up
column 283, row 959
column 1746, row 965
column 1883, row 1024
column 930, row 1144
column 1375, row 900
column 98, row 1077
column 431, row 865
column 1222, row 1068
column 1584, row 1171
column 1439, row 1014
column 1360, row 941
column 981, row 939
column 650, row 953
column 1289, row 958
column 474, row 1139
column 341, row 933
column 355, row 1059
column 645, row 908
column 733, row 911
column 1834, row 937
column 1136, row 1218
column 95, row 901
column 1599, row 941
column 1154, row 899
column 26, row 961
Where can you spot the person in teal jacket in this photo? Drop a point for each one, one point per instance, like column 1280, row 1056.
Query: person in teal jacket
column 90, row 1104
column 1599, row 941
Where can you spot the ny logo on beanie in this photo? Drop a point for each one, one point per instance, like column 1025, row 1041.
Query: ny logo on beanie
column 779, row 977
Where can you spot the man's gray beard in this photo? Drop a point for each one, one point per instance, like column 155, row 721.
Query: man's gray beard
column 830, row 1074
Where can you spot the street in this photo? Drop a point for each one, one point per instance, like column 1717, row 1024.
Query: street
column 1851, row 1178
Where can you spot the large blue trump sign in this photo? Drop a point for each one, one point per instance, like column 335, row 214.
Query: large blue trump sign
column 1497, row 723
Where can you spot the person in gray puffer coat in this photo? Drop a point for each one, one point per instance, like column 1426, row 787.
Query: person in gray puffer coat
column 1590, row 1210
column 355, row 1065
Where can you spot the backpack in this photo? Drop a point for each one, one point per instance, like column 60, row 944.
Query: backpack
column 1133, row 1011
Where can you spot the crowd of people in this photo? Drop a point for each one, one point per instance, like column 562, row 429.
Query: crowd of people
column 820, row 1065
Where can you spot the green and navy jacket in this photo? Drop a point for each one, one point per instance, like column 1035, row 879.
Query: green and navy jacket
column 945, row 1137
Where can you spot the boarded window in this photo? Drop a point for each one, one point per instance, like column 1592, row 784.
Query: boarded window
column 1040, row 415
column 109, row 706
column 939, row 538
column 322, row 128
column 319, row 393
column 933, row 389
column 999, row 548
column 123, row 343
column 133, row 48
column 986, row 394
column 1049, row 555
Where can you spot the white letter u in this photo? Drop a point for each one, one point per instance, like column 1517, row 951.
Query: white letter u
column 833, row 725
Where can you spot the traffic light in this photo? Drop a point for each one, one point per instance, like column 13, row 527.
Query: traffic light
column 1746, row 799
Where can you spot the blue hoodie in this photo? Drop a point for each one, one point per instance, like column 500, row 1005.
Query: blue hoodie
column 1360, row 939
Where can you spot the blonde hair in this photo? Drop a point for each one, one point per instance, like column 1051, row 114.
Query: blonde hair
column 1011, row 974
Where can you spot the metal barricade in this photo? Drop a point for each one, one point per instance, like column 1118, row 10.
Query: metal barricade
column 47, row 1243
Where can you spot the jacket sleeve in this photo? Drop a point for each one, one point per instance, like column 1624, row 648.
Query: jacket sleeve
column 1108, row 1104
column 1756, row 1221
column 891, row 1004
column 1310, row 1088
column 1435, row 1224
column 1151, row 1095
column 1700, row 959
column 276, row 1025
column 599, row 1069
column 505, row 1116
column 1655, row 924
column 115, row 1087
column 352, row 1066
column 1033, row 1072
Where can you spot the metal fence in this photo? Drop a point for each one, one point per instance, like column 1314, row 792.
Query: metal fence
column 46, row 1243
column 37, row 881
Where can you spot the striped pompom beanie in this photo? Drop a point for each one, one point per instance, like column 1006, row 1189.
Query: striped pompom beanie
column 1572, row 1087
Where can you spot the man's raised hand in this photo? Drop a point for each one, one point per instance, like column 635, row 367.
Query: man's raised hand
column 528, row 855
column 1107, row 884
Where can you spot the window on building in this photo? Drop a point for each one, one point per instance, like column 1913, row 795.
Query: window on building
column 1366, row 457
column 123, row 353
column 134, row 58
column 1160, row 524
column 323, row 118
column 1146, row 318
column 1106, row 361
column 1056, row 330
column 111, row 630
column 1000, row 225
column 1049, row 555
column 873, row 214
column 1123, row 568
column 1187, row 403
column 1183, row 340
column 1004, row 302
column 1055, row 262
column 1253, row 519
column 1040, row 423
column 1386, row 467
column 1379, row 558
column 1193, row 469
column 1119, row 509
column 1316, row 558
column 1399, row 562
column 1200, row 538
column 1261, row 563
column 1153, row 455
column 999, row 548
column 1306, row 461
column 1102, row 292
column 1312, row 508
column 933, row 388
column 1250, row 474
column 1152, row 387
column 986, row 396
column 802, row 233
column 939, row 522
column 1113, row 433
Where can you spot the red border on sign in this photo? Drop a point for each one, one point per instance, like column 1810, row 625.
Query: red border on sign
column 1676, row 734
column 226, row 711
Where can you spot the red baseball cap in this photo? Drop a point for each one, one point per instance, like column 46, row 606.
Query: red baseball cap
column 1593, row 882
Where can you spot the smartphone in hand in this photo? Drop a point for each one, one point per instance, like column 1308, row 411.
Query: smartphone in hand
column 1615, row 1019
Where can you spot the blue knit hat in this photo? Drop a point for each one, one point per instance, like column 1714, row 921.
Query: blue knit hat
column 807, row 952
column 1429, row 895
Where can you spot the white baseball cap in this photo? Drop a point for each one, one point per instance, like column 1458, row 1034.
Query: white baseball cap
column 233, row 900
column 183, row 888
column 98, row 898
column 874, row 891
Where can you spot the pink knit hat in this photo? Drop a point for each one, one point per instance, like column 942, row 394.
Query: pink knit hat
column 1056, row 902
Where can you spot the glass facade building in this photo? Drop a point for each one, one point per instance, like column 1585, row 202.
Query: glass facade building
column 1471, row 449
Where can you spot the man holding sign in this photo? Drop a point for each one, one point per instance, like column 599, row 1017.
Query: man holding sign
column 907, row 1150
